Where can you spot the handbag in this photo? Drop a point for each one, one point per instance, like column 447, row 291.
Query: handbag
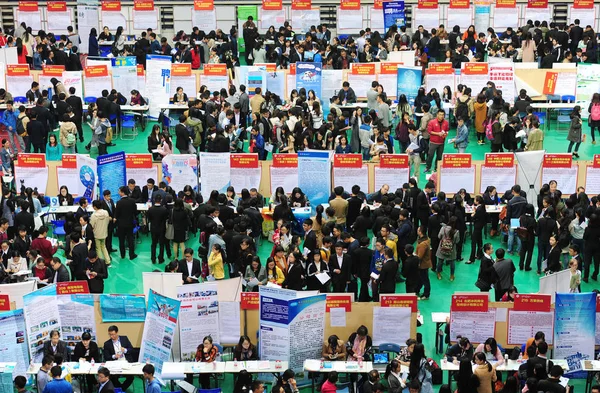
column 169, row 229
column 484, row 286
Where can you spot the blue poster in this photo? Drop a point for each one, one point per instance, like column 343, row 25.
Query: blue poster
column 159, row 330
column 308, row 75
column 314, row 170
column 393, row 14
column 574, row 328
column 13, row 343
column 112, row 173
column 409, row 82
column 129, row 61
column 123, row 308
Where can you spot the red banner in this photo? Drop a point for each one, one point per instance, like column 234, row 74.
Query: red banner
column 292, row 69
column 506, row 3
column 596, row 161
column 31, row 160
column 56, row 6
column 243, row 161
column 143, row 5
column 471, row 302
column 475, row 68
column 347, row 160
column 17, row 70
column 440, row 69
column 459, row 4
column 249, row 301
column 598, row 303
column 215, row 69
column 557, row 161
column 204, row 5
column 537, row 3
column 96, row 71
column 53, row 70
column 393, row 161
column 350, row 5
column 138, row 160
column 72, row 287
column 274, row 5
column 285, row 160
column 111, row 5
column 550, row 83
column 378, row 5
column 338, row 301
column 389, row 68
column 140, row 70
column 69, row 161
column 4, row 302
column 363, row 69
column 28, row 6
column 399, row 301
column 588, row 4
column 427, row 4
column 181, row 69
column 301, row 4
column 499, row 160
column 532, row 302
column 456, row 160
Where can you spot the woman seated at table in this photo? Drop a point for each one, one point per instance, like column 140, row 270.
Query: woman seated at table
column 298, row 198
column 491, row 351
column 232, row 197
column 154, row 141
column 359, row 344
column 87, row 350
column 180, row 97
column 245, row 350
column 41, row 271
column 334, row 349
column 16, row 263
column 205, row 353
column 106, row 35
column 277, row 195
column 136, row 98
column 255, row 271
column 166, row 145
column 64, row 198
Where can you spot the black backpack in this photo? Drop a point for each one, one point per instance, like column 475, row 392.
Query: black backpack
column 462, row 109
column 20, row 127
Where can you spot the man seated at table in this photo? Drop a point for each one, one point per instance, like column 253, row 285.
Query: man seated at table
column 118, row 348
column 347, row 94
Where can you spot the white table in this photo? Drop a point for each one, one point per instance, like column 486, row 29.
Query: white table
column 488, row 208
column 16, row 105
column 257, row 366
column 116, row 367
column 171, row 106
column 591, row 367
column 553, row 105
column 141, row 207
column 134, row 108
column 439, row 318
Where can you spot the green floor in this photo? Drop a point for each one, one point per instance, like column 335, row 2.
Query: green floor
column 126, row 276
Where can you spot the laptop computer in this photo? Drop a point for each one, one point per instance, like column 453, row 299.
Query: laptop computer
column 381, row 358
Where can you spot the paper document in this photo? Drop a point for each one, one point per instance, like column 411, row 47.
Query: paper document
column 322, row 277
column 252, row 282
column 564, row 381
column 412, row 146
column 264, row 365
column 514, row 223
column 374, row 275
column 305, row 251
column 338, row 316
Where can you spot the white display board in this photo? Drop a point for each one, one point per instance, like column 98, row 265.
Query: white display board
column 284, row 177
column 349, row 20
column 391, row 325
column 376, row 19
column 389, row 83
column 453, row 179
column 555, row 282
column 247, row 178
column 566, row 178
column 205, row 20
column 87, row 18
column 586, row 16
column 32, row 19
column 269, row 18
column 428, row 17
column 187, row 82
column 592, row 180
column 94, row 86
column 348, row 177
column 523, row 325
column 477, row 326
column 114, row 19
column 503, row 76
column 361, row 83
column 18, row 85
column 460, row 17
column 501, row 178
column 7, row 56
column 566, row 84
column 505, row 17
column 538, row 13
column 439, row 81
column 58, row 21
column 302, row 20
column 393, row 177
column 17, row 290
column 143, row 20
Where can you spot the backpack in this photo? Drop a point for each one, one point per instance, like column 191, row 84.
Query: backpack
column 595, row 112
column 20, row 128
column 489, row 125
column 412, row 237
column 564, row 238
column 447, row 244
column 109, row 135
column 71, row 139
column 462, row 109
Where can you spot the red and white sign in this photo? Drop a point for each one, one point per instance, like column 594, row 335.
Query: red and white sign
column 72, row 288
column 348, row 170
column 459, row 4
column 559, row 167
column 350, row 4
column 143, row 5
column 427, row 4
column 53, row 70
column 17, row 70
column 4, row 302
column 550, row 82
column 301, row 4
column 28, row 6
column 245, row 171
column 272, row 5
column 392, row 170
column 181, row 69
column 470, row 302
column 537, row 3
column 204, row 5
column 56, row 6
column 499, row 170
column 96, row 71
column 338, row 300
column 409, row 301
column 470, row 317
column 249, row 301
column 111, row 5
column 139, row 168
column 506, row 3
column 532, row 302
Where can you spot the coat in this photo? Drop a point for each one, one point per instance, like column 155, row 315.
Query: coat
column 96, row 284
column 535, row 140
column 480, row 116
column 99, row 222
column 575, row 134
column 424, row 253
column 485, row 378
column 387, row 277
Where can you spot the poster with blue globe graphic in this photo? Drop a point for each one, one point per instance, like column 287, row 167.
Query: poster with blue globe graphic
column 88, row 177
column 409, row 82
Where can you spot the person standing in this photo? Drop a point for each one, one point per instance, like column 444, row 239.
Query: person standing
column 109, row 205
column 575, row 136
column 487, row 275
column 152, row 385
column 96, row 272
column 449, row 237
column 340, row 266
column 340, row 205
column 410, row 269
column 58, row 384
column 387, row 277
column 157, row 218
column 438, row 131
column 104, row 383
column 125, row 216
column 424, row 254
column 479, row 219
column 100, row 221
column 505, row 271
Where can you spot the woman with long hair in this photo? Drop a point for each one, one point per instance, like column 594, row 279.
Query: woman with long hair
column 181, row 223
column 575, row 136
column 274, row 274
column 419, row 369
column 485, row 373
column 316, row 266
column 154, row 141
column 119, row 41
column 166, row 145
column 466, row 380
column 53, row 149
column 528, row 47
column 394, row 377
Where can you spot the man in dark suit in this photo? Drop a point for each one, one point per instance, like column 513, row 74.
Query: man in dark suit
column 148, row 191
column 103, row 103
column 189, row 267
column 310, row 237
column 157, row 218
column 96, row 272
column 361, row 266
column 56, row 346
column 125, row 215
column 87, row 232
column 134, row 191
column 354, row 205
column 60, row 272
column 79, row 254
column 61, row 105
column 82, row 209
column 77, row 106
column 118, row 347
column 256, row 219
column 109, row 205
column 239, row 120
column 540, row 358
column 104, row 383
column 387, row 277
column 340, row 266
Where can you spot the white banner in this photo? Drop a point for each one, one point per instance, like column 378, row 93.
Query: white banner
column 141, row 175
column 210, row 164
column 205, row 20
column 429, row 18
column 286, row 178
column 58, row 22
column 88, row 176
column 393, row 177
column 460, row 17
column 391, row 325
column 349, row 20
column 525, row 324
column 477, row 326
column 348, row 177
column 198, row 317
column 114, row 18
column 31, row 177
column 41, row 317
column 453, row 179
column 13, row 341
column 505, row 17
column 32, row 19
column 501, row 178
column 95, row 85
column 566, row 178
column 302, row 20
column 503, row 76
column 68, row 177
column 87, row 18
column 248, row 178
column 124, row 79
column 18, row 85
column 145, row 19
column 158, row 82
column 187, row 82
column 77, row 316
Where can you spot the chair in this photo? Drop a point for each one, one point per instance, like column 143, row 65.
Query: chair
column 89, row 100
column 186, row 386
column 563, row 117
column 567, row 99
column 128, row 121
column 542, row 118
column 343, row 387
column 215, row 390
column 58, row 228
column 389, row 347
column 20, row 100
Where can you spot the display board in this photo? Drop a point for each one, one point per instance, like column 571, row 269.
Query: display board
column 125, row 78
column 13, row 341
column 592, row 177
column 438, row 76
column 244, row 171
column 523, row 325
column 588, row 83
column 559, row 167
column 271, row 18
column 145, row 19
column 302, row 20
column 179, row 170
column 391, row 325
column 349, row 20
column 284, row 172
column 41, row 317
column 113, row 18
column 211, row 163
column 158, row 83
column 348, row 170
column 503, row 76
column 457, row 172
column 538, row 13
column 474, row 75
column 16, row 291
column 388, row 78
column 361, row 77
column 586, row 16
column 313, row 175
column 470, row 317
column 96, row 79
column 123, row 308
column 206, row 20
column 428, row 17
column 376, row 19
column 505, row 17
column 32, row 19
column 76, row 310
column 31, row 171
column 393, row 170
column 139, row 168
column 460, row 17
column 555, row 283
column 498, row 170
column 58, row 21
